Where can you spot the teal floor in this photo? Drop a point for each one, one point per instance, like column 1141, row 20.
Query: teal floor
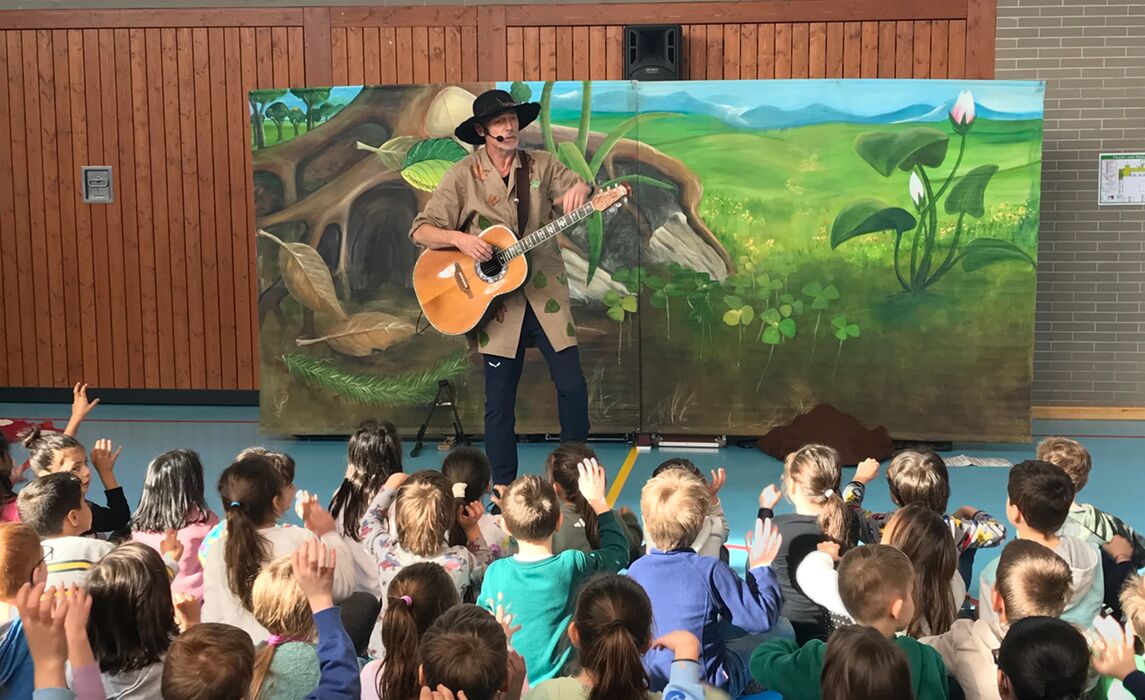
column 218, row 433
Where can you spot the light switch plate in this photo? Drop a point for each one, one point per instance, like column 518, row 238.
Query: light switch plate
column 96, row 181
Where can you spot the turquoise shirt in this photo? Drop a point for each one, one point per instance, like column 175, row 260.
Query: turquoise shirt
column 541, row 595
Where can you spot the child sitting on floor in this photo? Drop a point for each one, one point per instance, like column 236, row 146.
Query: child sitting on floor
column 539, row 587
column 1038, row 502
column 714, row 534
column 579, row 528
column 875, row 584
column 173, row 500
column 424, row 514
column 21, row 563
column 1042, row 657
column 699, row 594
column 611, row 628
column 862, row 664
column 53, row 453
column 53, row 505
column 1032, row 581
column 214, row 661
column 465, row 654
column 468, row 470
column 417, row 596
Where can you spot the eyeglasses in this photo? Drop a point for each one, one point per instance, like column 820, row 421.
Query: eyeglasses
column 47, row 554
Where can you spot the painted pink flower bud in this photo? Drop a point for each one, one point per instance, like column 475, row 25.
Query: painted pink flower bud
column 963, row 112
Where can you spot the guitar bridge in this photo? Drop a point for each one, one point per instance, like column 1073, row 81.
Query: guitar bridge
column 461, row 281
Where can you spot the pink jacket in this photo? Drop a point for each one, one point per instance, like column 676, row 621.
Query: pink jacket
column 190, row 578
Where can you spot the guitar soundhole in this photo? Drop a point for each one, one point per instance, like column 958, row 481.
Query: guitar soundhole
column 492, row 269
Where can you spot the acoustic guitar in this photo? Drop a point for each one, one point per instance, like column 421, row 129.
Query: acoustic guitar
column 455, row 291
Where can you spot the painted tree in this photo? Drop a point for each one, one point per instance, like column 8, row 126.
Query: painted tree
column 278, row 113
column 296, row 117
column 311, row 97
column 259, row 99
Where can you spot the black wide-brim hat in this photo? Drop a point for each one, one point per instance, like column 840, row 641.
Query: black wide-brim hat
column 492, row 103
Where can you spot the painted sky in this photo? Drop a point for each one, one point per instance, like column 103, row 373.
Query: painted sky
column 859, row 97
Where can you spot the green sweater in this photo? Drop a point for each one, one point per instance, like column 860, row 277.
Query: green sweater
column 794, row 672
column 540, row 596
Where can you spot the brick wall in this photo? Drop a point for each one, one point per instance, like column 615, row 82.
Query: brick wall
column 1089, row 345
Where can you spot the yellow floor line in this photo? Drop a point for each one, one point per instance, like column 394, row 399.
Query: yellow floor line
column 625, row 470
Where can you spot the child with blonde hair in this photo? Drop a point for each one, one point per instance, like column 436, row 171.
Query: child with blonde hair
column 875, row 584
column 424, row 514
column 539, row 587
column 700, row 594
column 1032, row 581
column 286, row 665
column 714, row 535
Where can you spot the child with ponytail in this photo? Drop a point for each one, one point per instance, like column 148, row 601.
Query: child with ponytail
column 60, row 452
column 417, row 596
column 468, row 469
column 253, row 501
column 812, row 481
column 579, row 528
column 611, row 629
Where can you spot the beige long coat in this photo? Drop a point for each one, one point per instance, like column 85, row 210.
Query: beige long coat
column 472, row 194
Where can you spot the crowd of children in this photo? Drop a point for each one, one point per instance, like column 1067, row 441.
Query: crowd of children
column 412, row 587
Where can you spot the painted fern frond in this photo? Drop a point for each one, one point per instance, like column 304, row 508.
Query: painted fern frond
column 399, row 390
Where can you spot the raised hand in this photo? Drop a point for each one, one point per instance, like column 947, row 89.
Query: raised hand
column 313, row 564
column 829, row 548
column 682, row 643
column 592, row 483
column 43, row 615
column 764, row 546
column 769, row 497
column 188, row 610
column 170, row 544
column 1112, row 647
column 103, row 459
column 867, row 470
column 1119, row 549
column 80, row 408
column 314, row 517
column 719, row 478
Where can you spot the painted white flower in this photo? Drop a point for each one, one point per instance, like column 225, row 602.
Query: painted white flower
column 963, row 111
column 917, row 192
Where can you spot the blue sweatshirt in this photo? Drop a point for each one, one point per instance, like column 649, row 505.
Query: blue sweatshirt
column 336, row 658
column 695, row 593
column 16, row 672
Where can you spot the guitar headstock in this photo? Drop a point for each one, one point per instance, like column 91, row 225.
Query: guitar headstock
column 611, row 197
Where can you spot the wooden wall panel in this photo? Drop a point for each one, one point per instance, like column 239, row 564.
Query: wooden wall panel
column 158, row 290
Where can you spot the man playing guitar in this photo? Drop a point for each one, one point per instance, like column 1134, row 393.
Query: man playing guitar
column 498, row 183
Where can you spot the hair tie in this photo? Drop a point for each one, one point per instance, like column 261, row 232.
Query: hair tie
column 235, row 504
column 459, row 489
column 828, row 493
column 277, row 639
column 407, row 600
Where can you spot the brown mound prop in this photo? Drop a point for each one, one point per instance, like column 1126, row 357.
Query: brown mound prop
column 827, row 425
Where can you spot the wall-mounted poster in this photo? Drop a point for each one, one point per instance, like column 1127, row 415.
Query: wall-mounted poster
column 870, row 244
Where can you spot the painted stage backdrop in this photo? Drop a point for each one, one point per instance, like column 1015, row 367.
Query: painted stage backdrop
column 870, row 244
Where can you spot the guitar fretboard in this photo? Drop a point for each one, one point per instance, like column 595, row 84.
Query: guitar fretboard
column 544, row 233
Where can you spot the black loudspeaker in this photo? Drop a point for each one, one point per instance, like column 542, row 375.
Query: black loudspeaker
column 652, row 52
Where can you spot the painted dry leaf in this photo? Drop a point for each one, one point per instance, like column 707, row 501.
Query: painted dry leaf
column 363, row 333
column 391, row 153
column 306, row 276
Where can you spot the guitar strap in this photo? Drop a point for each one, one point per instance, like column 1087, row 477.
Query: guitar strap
column 523, row 189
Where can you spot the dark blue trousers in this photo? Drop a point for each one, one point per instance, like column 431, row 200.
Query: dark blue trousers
column 502, row 375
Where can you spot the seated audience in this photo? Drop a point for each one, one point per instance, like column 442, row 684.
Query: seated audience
column 1042, row 657
column 53, row 505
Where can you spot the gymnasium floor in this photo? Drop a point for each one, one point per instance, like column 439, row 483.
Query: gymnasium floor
column 218, row 433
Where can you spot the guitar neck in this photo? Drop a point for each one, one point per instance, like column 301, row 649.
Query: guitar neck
column 544, row 233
